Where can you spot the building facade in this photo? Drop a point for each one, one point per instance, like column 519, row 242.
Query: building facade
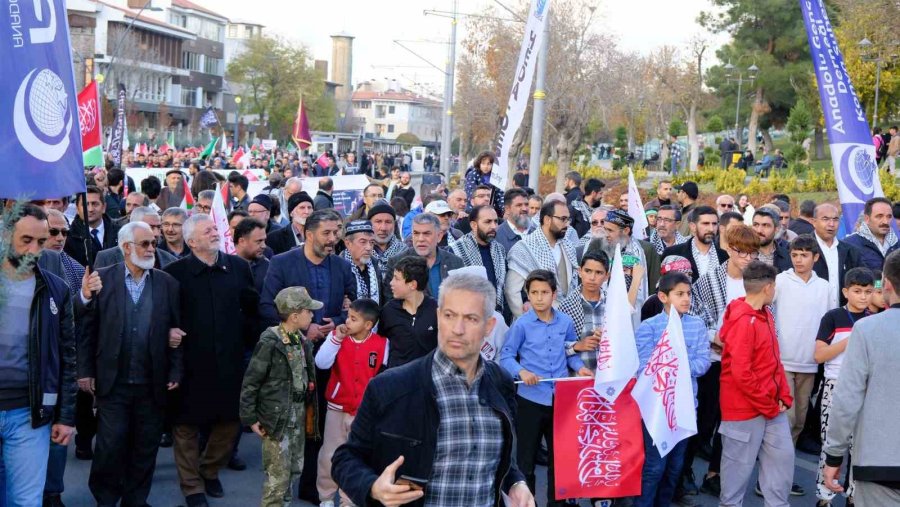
column 387, row 110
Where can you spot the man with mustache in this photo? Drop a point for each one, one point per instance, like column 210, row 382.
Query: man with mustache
column 874, row 238
column 480, row 248
column 518, row 222
column 329, row 279
column 426, row 230
column 217, row 314
column 701, row 250
column 37, row 352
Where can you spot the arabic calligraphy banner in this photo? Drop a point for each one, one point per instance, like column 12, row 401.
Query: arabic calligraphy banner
column 598, row 444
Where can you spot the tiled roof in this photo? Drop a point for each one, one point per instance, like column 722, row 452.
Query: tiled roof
column 187, row 4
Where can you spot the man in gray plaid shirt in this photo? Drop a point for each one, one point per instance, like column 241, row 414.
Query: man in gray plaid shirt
column 438, row 431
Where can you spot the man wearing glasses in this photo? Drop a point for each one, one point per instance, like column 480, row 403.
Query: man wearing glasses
column 724, row 204
column 150, row 217
column 547, row 249
column 666, row 234
column 128, row 358
column 837, row 256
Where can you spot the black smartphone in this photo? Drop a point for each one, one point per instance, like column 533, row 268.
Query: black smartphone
column 414, row 482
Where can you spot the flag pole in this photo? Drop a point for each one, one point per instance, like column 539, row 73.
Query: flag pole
column 557, row 379
column 88, row 244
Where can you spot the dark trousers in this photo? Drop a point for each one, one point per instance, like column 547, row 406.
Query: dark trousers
column 534, row 422
column 85, row 420
column 660, row 474
column 128, row 430
column 307, row 489
column 56, row 469
column 709, row 415
column 194, row 468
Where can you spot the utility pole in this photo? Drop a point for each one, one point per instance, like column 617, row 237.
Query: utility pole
column 537, row 116
column 447, row 119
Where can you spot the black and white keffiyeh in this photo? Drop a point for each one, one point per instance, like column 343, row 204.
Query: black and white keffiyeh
column 583, row 208
column 395, row 248
column 466, row 248
column 713, row 258
column 534, row 252
column 889, row 241
column 658, row 243
column 363, row 289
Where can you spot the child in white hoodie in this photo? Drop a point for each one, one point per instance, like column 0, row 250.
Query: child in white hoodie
column 801, row 299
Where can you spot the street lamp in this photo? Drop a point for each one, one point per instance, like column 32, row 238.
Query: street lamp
column 872, row 54
column 237, row 120
column 752, row 73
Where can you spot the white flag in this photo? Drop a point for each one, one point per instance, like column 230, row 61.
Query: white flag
column 617, row 357
column 636, row 209
column 220, row 217
column 663, row 390
column 521, row 88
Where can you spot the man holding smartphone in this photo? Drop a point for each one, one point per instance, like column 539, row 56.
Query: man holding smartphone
column 410, row 445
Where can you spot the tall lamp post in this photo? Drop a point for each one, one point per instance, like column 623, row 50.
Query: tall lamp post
column 872, row 54
column 730, row 71
column 237, row 121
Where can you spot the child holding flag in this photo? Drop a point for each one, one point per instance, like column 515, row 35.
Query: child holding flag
column 535, row 349
column 660, row 474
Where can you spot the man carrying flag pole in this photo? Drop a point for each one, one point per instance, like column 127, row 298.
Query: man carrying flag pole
column 673, row 347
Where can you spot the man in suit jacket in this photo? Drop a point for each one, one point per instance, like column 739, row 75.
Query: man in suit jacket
column 704, row 222
column 299, row 207
column 128, row 358
column 102, row 231
column 323, row 196
column 150, row 217
column 837, row 257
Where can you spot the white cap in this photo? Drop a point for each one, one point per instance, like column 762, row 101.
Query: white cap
column 438, row 208
column 478, row 271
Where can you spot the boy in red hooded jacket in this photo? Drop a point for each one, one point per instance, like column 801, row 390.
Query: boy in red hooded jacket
column 754, row 396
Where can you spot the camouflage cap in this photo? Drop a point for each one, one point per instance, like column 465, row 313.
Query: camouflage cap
column 294, row 299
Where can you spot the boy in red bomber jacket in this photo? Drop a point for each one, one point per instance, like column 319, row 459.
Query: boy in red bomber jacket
column 354, row 354
column 754, row 396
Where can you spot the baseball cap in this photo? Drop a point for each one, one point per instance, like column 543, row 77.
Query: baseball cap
column 690, row 188
column 438, row 208
column 293, row 299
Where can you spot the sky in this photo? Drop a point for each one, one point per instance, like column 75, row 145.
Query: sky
column 640, row 26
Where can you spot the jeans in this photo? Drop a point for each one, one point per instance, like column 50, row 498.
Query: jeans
column 660, row 474
column 25, row 451
column 56, row 469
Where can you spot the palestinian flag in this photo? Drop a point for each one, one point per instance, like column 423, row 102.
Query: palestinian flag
column 89, row 123
column 187, row 202
column 209, row 148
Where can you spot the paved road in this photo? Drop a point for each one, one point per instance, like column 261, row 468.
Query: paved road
column 242, row 489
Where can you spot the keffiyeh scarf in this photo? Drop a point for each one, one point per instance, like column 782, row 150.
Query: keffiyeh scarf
column 395, row 248
column 534, row 252
column 364, row 290
column 889, row 241
column 583, row 208
column 660, row 245
column 467, row 249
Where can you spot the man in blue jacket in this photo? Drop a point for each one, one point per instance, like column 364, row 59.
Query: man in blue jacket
column 37, row 358
column 441, row 444
column 874, row 239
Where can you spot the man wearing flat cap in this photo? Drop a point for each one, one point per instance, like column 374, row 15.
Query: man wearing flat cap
column 359, row 240
column 299, row 207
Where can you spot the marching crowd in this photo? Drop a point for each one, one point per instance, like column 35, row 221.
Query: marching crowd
column 374, row 354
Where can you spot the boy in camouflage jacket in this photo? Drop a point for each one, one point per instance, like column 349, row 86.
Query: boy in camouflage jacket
column 278, row 382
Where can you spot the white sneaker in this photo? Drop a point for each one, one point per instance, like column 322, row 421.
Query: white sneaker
column 327, row 503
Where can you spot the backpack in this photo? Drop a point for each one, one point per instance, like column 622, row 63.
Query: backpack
column 880, row 146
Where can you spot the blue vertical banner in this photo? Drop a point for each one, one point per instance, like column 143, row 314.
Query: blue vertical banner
column 852, row 151
column 41, row 142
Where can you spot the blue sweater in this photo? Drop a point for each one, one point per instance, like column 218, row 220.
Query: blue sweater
column 696, row 341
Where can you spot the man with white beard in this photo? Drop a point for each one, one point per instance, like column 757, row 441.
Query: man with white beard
column 598, row 218
column 129, row 357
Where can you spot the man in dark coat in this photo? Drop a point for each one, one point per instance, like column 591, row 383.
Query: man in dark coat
column 835, row 253
column 403, row 407
column 299, row 207
column 127, row 361
column 323, row 196
column 218, row 307
column 102, row 231
column 703, row 226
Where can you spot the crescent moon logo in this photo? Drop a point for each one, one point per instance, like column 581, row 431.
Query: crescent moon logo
column 857, row 171
column 27, row 138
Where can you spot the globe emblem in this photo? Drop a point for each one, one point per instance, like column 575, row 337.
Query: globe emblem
column 47, row 103
column 864, row 167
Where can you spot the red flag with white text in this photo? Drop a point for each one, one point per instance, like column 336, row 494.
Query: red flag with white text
column 598, row 444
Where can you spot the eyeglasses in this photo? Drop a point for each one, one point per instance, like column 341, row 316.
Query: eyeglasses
column 147, row 243
column 57, row 232
column 564, row 220
column 203, row 209
column 744, row 255
column 724, row 205
column 665, row 220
